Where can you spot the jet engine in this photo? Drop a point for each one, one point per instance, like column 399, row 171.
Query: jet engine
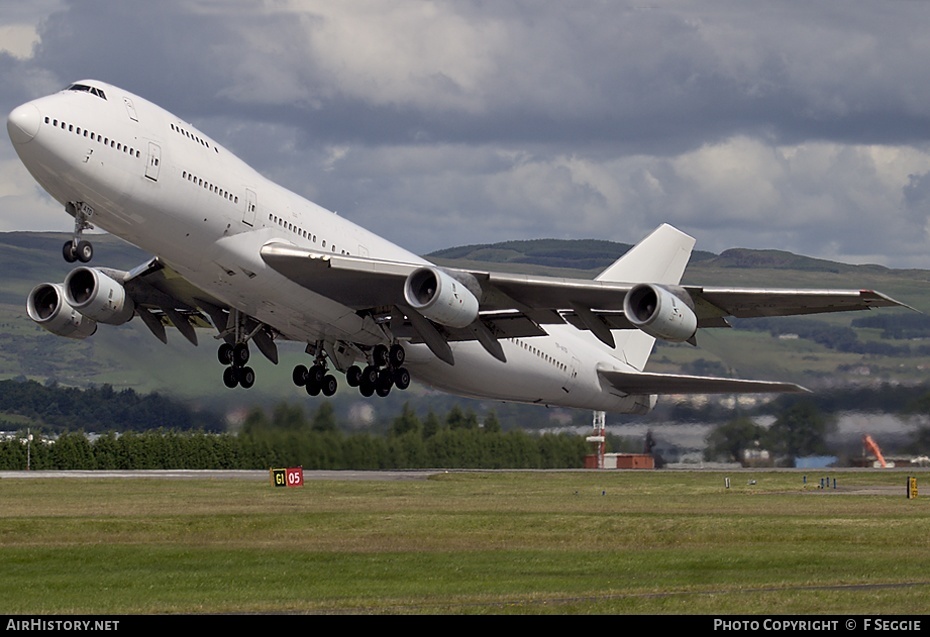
column 47, row 306
column 98, row 296
column 440, row 297
column 660, row 311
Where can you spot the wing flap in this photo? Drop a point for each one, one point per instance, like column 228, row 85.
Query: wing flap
column 756, row 302
column 651, row 383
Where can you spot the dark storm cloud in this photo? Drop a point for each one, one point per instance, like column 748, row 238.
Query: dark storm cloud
column 801, row 126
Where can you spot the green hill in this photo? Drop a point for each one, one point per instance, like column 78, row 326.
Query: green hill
column 129, row 357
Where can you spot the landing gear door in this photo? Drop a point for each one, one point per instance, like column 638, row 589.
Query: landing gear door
column 251, row 206
column 154, row 161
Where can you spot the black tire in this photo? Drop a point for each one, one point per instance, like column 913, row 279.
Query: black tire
column 246, row 377
column 85, row 251
column 366, row 390
column 379, row 356
column 68, row 252
column 383, row 391
column 240, row 354
column 397, row 355
column 229, row 377
column 402, row 378
column 369, row 376
column 385, row 379
column 224, row 354
column 313, row 388
column 299, row 376
column 316, row 374
column 354, row 375
column 329, row 385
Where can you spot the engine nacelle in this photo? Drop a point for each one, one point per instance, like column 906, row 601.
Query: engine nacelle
column 660, row 311
column 440, row 298
column 98, row 296
column 47, row 306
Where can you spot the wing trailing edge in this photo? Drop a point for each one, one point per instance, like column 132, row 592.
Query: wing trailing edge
column 630, row 382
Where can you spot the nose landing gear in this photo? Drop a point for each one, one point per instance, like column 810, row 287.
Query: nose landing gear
column 77, row 249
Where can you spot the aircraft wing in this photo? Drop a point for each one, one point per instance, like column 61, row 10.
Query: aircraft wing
column 163, row 298
column 651, row 383
column 363, row 283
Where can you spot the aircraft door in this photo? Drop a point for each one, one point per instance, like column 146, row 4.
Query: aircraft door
column 130, row 109
column 572, row 375
column 251, row 206
column 154, row 161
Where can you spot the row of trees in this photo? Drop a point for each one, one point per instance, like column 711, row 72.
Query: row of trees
column 288, row 438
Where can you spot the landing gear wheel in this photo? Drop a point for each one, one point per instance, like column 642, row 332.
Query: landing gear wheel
column 383, row 391
column 354, row 375
column 313, row 388
column 316, row 374
column 366, row 390
column 300, row 375
column 380, row 355
column 240, row 354
column 329, row 385
column 397, row 355
column 68, row 252
column 85, row 251
column 385, row 379
column 246, row 376
column 224, row 354
column 402, row 378
column 230, row 378
column 369, row 376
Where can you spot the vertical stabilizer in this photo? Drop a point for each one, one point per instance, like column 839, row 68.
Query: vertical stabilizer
column 659, row 258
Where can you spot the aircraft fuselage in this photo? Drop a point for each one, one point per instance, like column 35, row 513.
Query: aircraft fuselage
column 154, row 180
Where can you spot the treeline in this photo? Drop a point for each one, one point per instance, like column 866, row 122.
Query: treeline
column 288, row 438
column 101, row 408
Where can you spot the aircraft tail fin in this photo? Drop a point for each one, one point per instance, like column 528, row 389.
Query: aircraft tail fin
column 661, row 257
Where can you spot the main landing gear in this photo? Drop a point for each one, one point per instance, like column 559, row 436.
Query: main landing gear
column 237, row 373
column 385, row 371
column 315, row 380
column 77, row 249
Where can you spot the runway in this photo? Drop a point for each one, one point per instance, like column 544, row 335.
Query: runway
column 184, row 474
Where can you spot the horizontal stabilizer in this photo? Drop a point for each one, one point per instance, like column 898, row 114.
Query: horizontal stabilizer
column 648, row 383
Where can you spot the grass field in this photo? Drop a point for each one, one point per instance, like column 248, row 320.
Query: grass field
column 469, row 543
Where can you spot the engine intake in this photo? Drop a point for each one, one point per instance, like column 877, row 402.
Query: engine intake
column 660, row 311
column 440, row 297
column 98, row 296
column 47, row 306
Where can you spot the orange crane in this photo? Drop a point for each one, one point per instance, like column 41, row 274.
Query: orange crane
column 872, row 446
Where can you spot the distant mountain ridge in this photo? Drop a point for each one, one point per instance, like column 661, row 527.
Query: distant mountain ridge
column 597, row 254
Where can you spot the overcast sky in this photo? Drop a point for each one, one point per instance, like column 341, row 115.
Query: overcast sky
column 801, row 126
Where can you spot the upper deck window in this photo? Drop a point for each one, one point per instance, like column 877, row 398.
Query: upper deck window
column 84, row 88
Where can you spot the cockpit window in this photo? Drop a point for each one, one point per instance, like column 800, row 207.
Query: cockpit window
column 84, row 88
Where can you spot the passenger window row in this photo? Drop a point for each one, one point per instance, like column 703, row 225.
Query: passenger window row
column 93, row 136
column 541, row 354
column 300, row 232
column 206, row 185
column 194, row 138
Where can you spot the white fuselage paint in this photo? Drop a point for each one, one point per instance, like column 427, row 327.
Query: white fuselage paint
column 162, row 185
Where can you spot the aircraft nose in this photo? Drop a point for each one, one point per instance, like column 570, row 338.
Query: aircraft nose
column 23, row 123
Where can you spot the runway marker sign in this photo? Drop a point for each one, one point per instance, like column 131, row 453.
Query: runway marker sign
column 291, row 477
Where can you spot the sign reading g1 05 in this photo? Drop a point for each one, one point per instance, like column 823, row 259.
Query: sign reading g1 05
column 292, row 477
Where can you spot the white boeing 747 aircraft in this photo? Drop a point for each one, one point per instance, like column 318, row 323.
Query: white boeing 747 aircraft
column 260, row 264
